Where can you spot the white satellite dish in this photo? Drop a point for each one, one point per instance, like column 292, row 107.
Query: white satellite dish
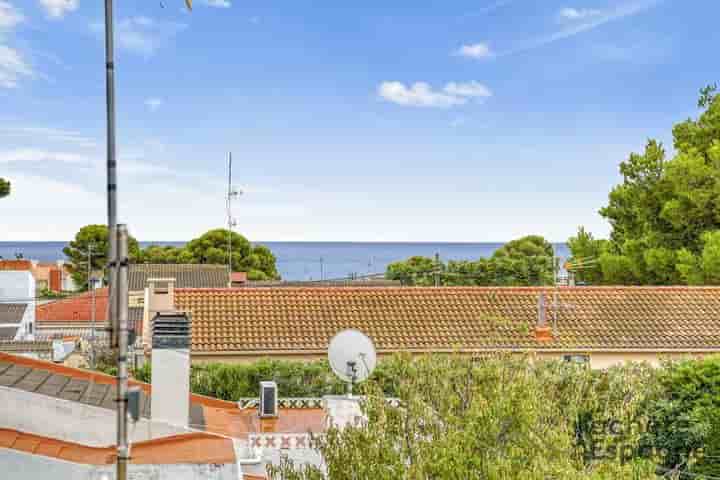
column 352, row 356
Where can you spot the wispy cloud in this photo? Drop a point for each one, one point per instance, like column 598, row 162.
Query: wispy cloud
column 153, row 103
column 9, row 16
column 489, row 8
column 581, row 21
column 475, row 50
column 40, row 155
column 572, row 14
column 421, row 94
column 58, row 8
column 217, row 3
column 140, row 34
column 13, row 66
column 25, row 133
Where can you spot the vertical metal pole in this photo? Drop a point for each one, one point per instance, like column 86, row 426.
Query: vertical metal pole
column 111, row 170
column 122, row 374
column 229, row 214
column 91, row 285
column 437, row 270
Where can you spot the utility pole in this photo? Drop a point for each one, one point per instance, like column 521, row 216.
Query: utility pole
column 231, row 195
column 118, row 252
column 123, row 451
column 91, row 286
column 322, row 269
column 436, row 272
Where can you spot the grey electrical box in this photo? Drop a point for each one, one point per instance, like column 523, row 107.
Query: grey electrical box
column 133, row 404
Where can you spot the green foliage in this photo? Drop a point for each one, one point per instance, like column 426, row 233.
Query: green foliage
column 415, row 270
column 487, row 415
column 525, row 261
column 685, row 420
column 663, row 209
column 210, row 248
column 95, row 237
column 585, row 253
column 499, row 417
column 4, row 187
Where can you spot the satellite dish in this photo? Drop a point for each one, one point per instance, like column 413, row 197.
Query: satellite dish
column 352, row 356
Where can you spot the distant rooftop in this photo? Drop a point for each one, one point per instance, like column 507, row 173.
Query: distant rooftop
column 185, row 275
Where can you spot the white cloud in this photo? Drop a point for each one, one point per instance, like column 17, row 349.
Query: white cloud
column 217, row 3
column 581, row 24
column 421, row 94
column 41, row 155
column 476, row 50
column 9, row 16
column 58, row 8
column 153, row 103
column 140, row 34
column 471, row 89
column 12, row 67
column 47, row 134
column 568, row 13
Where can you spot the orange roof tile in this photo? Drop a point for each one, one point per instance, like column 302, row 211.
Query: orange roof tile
column 303, row 320
column 75, row 309
column 194, row 447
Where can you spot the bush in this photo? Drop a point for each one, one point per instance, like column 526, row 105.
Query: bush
column 685, row 419
column 493, row 418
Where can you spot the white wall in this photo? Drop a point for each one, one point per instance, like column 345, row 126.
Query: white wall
column 19, row 287
column 171, row 386
column 70, row 421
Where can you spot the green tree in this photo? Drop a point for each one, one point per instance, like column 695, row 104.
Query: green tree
column 663, row 208
column 212, row 247
column 93, row 237
column 685, row 419
column 492, row 418
column 415, row 270
column 164, row 254
column 585, row 253
column 4, row 187
column 524, row 261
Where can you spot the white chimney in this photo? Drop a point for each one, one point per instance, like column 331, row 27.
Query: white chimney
column 171, row 368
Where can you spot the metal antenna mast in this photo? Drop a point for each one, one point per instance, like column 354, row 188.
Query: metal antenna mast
column 232, row 193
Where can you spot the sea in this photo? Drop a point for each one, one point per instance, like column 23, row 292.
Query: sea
column 312, row 260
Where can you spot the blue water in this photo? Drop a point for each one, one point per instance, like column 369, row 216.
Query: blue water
column 306, row 260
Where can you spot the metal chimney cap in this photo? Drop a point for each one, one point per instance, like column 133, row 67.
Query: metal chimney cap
column 171, row 330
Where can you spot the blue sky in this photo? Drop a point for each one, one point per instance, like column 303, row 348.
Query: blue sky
column 415, row 121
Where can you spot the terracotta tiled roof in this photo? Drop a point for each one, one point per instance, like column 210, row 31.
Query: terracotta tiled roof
column 186, row 276
column 74, row 309
column 15, row 265
column 12, row 312
column 302, row 320
column 186, row 448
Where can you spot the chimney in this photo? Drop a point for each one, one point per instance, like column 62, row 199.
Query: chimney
column 171, row 368
column 543, row 333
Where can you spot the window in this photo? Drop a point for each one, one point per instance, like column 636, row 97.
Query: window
column 579, row 359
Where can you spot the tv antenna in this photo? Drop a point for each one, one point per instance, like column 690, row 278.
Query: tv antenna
column 232, row 194
column 352, row 357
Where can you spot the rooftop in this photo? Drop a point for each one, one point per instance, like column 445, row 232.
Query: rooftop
column 206, row 414
column 186, row 276
column 303, row 320
column 12, row 312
